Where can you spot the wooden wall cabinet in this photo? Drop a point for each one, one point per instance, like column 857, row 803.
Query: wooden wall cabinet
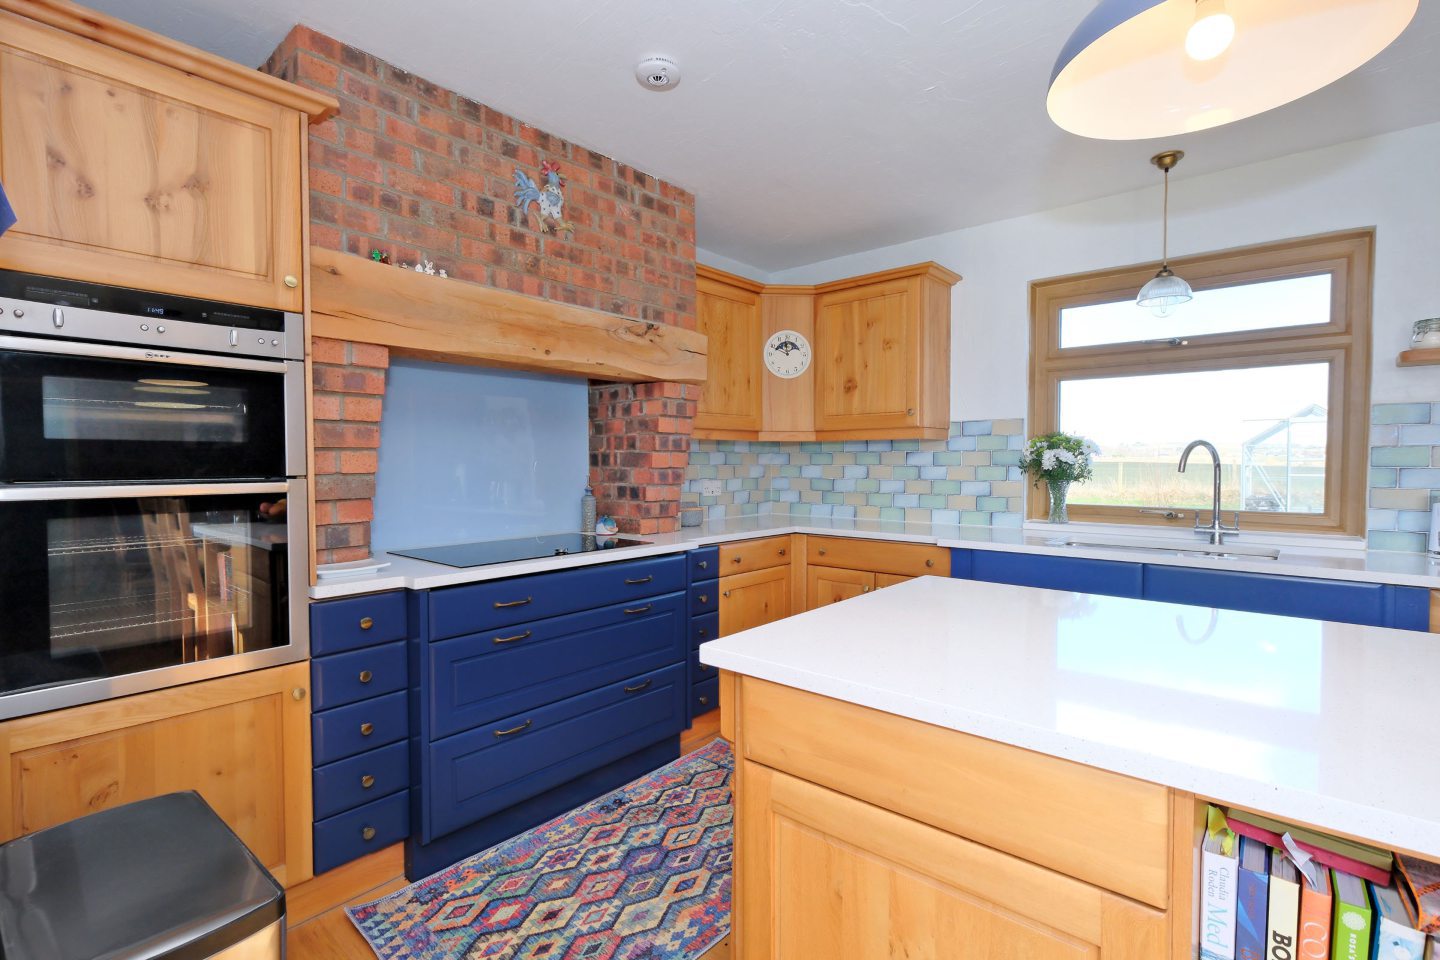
column 242, row 741
column 134, row 160
column 880, row 357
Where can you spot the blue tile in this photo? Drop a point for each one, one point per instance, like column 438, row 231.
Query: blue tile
column 1427, row 434
column 920, row 458
column 853, row 472
column 773, row 459
column 779, row 483
column 1413, row 479
column 892, row 486
column 976, row 428
column 1416, row 521
column 907, row 500
column 845, row 512
column 854, row 446
column 1382, row 519
column 821, row 509
column 1010, row 521
column 933, row 473
column 812, row 471
column 1401, row 413
column 960, row 443
column 846, row 486
column 974, row 488
column 882, row 446
column 789, row 496
column 951, row 517
column 742, row 496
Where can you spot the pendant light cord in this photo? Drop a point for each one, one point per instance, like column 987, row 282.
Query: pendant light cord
column 1165, row 227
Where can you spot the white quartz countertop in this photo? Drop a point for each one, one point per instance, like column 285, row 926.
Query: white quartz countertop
column 1410, row 569
column 1317, row 722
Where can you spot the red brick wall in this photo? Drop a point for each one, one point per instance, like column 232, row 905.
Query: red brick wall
column 421, row 172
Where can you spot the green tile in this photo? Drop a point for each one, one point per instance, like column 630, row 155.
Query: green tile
column 931, row 501
column 867, row 458
column 971, row 517
column 992, row 504
column 1400, row 456
column 949, row 458
column 1383, row 476
column 1400, row 413
column 892, row 513
column 822, row 459
column 1005, row 458
column 832, row 498
column 991, row 443
column 989, row 473
column 905, row 445
column 790, row 470
column 833, row 446
column 1395, row 540
column 945, row 486
column 867, row 486
column 821, row 483
column 905, row 473
column 810, row 446
column 879, row 499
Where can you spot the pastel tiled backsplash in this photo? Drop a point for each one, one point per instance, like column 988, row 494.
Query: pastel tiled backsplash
column 1404, row 473
column 972, row 478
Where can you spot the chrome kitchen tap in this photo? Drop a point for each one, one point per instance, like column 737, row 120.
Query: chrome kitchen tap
column 1216, row 530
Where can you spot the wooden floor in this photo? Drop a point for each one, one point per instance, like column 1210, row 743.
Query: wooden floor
column 319, row 929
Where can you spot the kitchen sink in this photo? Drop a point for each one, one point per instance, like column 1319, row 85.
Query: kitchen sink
column 1201, row 550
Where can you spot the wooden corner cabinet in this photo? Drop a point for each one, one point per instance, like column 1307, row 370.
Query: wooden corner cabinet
column 880, row 357
column 242, row 742
column 134, row 160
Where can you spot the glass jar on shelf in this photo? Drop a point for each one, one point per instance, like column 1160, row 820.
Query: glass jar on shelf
column 1427, row 334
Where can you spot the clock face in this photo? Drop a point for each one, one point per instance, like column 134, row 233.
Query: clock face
column 787, row 354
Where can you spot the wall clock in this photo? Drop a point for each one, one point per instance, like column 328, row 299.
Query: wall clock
column 787, row 354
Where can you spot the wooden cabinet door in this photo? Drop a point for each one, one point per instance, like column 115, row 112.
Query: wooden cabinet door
column 821, row 874
column 242, row 741
column 122, row 170
column 732, row 398
column 751, row 599
column 867, row 358
column 827, row 585
column 883, row 580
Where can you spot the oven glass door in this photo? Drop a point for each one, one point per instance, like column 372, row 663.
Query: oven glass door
column 101, row 588
column 90, row 419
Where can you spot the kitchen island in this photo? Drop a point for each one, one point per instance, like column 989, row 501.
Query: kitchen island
column 949, row 759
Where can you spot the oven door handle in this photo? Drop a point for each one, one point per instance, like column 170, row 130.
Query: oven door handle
column 21, row 493
column 110, row 351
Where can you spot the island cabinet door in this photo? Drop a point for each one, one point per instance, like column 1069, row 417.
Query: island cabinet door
column 820, row 874
column 755, row 598
column 827, row 585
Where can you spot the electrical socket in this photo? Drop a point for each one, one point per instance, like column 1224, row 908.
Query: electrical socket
column 711, row 488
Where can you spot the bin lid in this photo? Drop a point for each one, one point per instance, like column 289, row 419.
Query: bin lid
column 159, row 879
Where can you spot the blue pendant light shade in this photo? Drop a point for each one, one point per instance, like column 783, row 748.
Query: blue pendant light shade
column 1136, row 69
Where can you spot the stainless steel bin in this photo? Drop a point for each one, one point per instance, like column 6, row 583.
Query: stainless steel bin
column 160, row 879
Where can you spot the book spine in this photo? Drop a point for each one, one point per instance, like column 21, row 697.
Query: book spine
column 1251, row 900
column 1314, row 934
column 1283, row 921
column 1397, row 941
column 1217, row 922
column 1350, row 936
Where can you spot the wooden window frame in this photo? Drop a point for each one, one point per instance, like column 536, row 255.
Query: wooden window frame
column 1344, row 343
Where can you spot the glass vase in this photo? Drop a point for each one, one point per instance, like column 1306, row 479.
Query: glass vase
column 1059, row 490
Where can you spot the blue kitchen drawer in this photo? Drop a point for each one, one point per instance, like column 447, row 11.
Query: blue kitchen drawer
column 486, row 676
column 358, row 780
column 705, row 696
column 704, row 563
column 1109, row 577
column 704, row 598
column 1373, row 604
column 346, row 731
column 704, row 629
column 358, row 675
column 700, row 671
column 350, row 835
column 339, row 625
column 472, row 775
column 455, row 611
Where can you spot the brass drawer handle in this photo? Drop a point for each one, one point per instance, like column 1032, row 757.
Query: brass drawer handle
column 366, row 782
column 705, row 700
column 638, row 687
column 637, row 580
column 514, row 730
column 645, row 609
column 518, row 636
column 366, row 729
column 929, row 563
column 366, row 676
column 512, row 603
column 367, row 833
column 366, row 623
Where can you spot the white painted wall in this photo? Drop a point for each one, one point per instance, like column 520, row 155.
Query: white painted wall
column 1388, row 182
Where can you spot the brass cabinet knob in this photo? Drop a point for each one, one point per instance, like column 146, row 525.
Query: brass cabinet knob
column 864, row 589
column 782, row 551
column 704, row 564
column 910, row 412
column 367, row 781
column 822, row 551
column 736, row 559
column 298, row 693
column 726, row 595
column 704, row 701
column 929, row 563
column 366, row 623
column 704, row 598
column 291, row 282
column 366, row 676
column 366, row 729
column 702, row 632
column 367, row 833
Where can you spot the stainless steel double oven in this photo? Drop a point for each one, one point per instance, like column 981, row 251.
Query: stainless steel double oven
column 153, row 500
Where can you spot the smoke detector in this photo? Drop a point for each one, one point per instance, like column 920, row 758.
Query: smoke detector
column 657, row 73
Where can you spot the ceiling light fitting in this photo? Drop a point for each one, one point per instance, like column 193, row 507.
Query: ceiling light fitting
column 1122, row 75
column 1166, row 291
column 658, row 73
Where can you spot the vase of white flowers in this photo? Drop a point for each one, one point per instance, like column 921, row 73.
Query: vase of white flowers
column 1059, row 459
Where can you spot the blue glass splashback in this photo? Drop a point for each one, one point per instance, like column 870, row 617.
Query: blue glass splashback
column 472, row 453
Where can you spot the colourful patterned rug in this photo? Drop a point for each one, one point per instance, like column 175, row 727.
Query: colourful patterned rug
column 642, row 873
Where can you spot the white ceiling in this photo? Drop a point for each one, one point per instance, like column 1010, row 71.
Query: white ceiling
column 810, row 128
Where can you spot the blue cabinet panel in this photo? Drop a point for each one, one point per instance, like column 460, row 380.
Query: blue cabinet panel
column 704, row 563
column 1410, row 608
column 358, row 675
column 455, row 611
column 338, row 625
column 349, row 783
column 704, row 629
column 485, row 770
column 346, row 731
column 487, row 676
column 342, row 838
column 1108, row 577
column 1342, row 600
column 706, row 695
column 700, row 671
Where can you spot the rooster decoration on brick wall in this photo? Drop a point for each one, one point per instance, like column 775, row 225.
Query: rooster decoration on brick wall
column 550, row 198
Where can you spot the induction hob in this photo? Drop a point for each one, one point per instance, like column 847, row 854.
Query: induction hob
column 485, row 552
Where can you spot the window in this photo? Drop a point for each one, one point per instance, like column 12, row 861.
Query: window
column 1270, row 362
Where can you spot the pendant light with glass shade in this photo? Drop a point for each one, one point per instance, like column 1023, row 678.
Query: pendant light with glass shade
column 1136, row 69
column 1166, row 291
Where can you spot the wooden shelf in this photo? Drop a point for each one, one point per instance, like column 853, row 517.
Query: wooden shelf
column 1419, row 357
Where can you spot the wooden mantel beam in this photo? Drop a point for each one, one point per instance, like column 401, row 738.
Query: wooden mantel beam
column 436, row 318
